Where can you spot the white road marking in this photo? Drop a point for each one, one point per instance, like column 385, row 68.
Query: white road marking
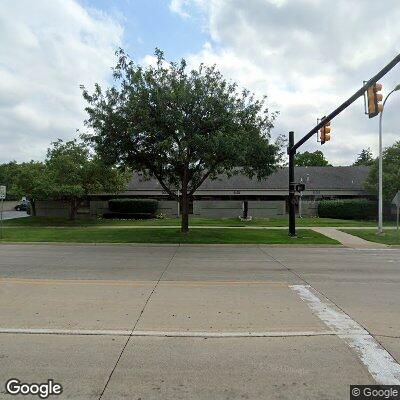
column 381, row 365
column 165, row 333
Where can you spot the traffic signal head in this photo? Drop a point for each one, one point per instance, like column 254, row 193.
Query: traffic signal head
column 374, row 99
column 325, row 133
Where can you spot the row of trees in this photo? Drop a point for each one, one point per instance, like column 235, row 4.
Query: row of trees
column 70, row 173
column 317, row 159
column 391, row 170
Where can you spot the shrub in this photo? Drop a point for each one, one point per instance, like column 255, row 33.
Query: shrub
column 133, row 206
column 117, row 215
column 347, row 209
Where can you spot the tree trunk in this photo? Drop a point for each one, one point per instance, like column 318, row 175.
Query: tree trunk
column 33, row 208
column 73, row 209
column 185, row 204
column 184, row 213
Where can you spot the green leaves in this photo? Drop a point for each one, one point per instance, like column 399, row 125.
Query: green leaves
column 365, row 158
column 391, row 173
column 73, row 173
column 175, row 123
column 180, row 126
column 308, row 159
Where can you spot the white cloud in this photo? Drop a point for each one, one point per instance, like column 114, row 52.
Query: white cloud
column 309, row 56
column 178, row 6
column 48, row 48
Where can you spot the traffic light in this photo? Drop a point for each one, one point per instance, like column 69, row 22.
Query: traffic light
column 374, row 99
column 324, row 133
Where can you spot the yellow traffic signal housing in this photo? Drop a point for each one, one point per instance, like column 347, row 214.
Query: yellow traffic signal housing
column 325, row 133
column 374, row 99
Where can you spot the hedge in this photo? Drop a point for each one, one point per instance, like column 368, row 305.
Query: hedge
column 347, row 209
column 133, row 206
column 117, row 215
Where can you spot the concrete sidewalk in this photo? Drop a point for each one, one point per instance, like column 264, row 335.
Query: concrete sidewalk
column 348, row 240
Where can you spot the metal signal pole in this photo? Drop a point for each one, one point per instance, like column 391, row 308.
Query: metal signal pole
column 294, row 146
column 292, row 183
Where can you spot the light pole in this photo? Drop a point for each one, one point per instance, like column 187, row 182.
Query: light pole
column 380, row 190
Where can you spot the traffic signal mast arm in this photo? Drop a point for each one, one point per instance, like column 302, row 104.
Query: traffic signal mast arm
column 347, row 103
column 292, row 148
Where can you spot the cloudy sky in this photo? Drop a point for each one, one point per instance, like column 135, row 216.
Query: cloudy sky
column 306, row 55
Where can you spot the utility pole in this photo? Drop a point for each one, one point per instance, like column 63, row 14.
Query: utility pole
column 292, row 148
column 380, row 184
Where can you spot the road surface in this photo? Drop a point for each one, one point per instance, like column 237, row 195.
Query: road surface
column 199, row 322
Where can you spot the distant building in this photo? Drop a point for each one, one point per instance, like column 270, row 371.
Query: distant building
column 224, row 196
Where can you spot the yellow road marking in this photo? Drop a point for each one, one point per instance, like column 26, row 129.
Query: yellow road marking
column 74, row 282
column 134, row 283
column 219, row 283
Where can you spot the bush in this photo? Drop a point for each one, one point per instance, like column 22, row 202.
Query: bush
column 117, row 215
column 347, row 209
column 133, row 206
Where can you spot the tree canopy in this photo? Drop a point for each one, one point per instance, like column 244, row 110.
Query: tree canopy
column 180, row 126
column 8, row 173
column 365, row 158
column 311, row 159
column 391, row 173
column 28, row 181
column 72, row 173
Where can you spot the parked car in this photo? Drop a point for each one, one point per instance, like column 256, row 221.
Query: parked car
column 23, row 206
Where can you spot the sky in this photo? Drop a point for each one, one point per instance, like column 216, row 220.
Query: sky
column 307, row 56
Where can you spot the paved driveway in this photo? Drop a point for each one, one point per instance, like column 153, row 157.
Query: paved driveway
column 199, row 322
column 14, row 214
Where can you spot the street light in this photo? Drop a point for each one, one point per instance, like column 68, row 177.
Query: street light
column 380, row 195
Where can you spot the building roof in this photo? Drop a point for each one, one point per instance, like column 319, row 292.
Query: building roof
column 315, row 178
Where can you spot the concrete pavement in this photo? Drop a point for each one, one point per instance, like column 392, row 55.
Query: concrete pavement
column 192, row 311
column 348, row 240
column 14, row 214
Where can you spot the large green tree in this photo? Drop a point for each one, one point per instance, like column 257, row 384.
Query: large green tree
column 8, row 173
column 311, row 159
column 180, row 126
column 72, row 173
column 28, row 181
column 391, row 173
column 365, row 158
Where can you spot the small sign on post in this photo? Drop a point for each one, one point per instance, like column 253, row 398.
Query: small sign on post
column 396, row 202
column 3, row 191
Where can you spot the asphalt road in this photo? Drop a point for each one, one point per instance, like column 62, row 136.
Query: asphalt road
column 199, row 322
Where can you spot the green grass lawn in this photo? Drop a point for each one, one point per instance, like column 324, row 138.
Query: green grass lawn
column 278, row 221
column 160, row 235
column 387, row 237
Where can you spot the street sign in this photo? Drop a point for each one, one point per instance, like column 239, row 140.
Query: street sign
column 396, row 199
column 300, row 187
column 2, row 192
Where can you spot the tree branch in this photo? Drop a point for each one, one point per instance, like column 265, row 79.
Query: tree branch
column 165, row 187
column 204, row 177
